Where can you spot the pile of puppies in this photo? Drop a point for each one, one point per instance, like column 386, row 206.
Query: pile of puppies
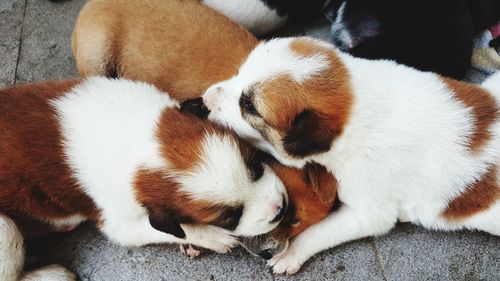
column 216, row 136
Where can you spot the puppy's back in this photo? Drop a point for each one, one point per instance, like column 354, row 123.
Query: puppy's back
column 31, row 160
column 181, row 47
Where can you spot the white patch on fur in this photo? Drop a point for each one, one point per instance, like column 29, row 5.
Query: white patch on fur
column 11, row 250
column 339, row 30
column 251, row 14
column 70, row 221
column 403, row 154
column 53, row 272
column 222, row 176
column 104, row 153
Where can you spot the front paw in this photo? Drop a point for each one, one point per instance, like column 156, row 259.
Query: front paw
column 287, row 263
column 213, row 238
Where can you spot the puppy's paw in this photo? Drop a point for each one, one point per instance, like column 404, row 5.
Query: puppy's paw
column 213, row 238
column 189, row 251
column 52, row 272
column 287, row 263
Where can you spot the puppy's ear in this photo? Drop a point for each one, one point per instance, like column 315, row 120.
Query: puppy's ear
column 166, row 221
column 323, row 183
column 308, row 135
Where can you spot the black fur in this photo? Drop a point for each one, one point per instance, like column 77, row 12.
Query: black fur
column 196, row 107
column 229, row 217
column 430, row 35
column 255, row 164
column 307, row 135
column 167, row 221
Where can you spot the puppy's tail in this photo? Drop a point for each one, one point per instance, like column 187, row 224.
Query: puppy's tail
column 11, row 250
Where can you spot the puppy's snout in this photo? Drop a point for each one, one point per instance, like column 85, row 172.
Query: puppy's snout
column 266, row 254
column 210, row 96
column 196, row 107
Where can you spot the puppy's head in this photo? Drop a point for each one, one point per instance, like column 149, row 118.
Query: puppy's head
column 290, row 98
column 211, row 177
column 312, row 192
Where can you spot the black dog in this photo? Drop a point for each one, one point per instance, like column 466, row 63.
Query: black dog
column 430, row 35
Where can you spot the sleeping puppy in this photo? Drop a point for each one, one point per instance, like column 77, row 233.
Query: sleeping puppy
column 121, row 155
column 429, row 35
column 264, row 16
column 403, row 144
column 182, row 48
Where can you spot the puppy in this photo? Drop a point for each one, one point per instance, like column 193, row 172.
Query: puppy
column 403, row 144
column 181, row 47
column 120, row 154
column 428, row 35
column 264, row 16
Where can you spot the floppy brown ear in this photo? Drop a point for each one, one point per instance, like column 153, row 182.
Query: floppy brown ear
column 323, row 183
column 308, row 135
column 166, row 221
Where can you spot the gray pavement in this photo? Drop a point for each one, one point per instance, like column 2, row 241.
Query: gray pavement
column 35, row 45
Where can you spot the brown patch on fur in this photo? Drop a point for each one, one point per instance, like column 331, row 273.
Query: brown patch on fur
column 483, row 106
column 35, row 182
column 162, row 195
column 477, row 197
column 181, row 136
column 182, row 48
column 327, row 96
column 312, row 200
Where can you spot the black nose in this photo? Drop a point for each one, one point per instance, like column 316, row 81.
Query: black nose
column 196, row 107
column 266, row 254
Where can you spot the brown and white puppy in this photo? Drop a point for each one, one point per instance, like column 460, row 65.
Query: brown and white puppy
column 312, row 194
column 404, row 145
column 120, row 154
column 181, row 47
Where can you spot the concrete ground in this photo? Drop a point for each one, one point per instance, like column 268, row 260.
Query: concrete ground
column 35, row 45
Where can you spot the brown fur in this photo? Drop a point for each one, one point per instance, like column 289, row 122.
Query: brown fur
column 182, row 47
column 478, row 196
column 312, row 200
column 484, row 109
column 326, row 98
column 35, row 182
column 161, row 195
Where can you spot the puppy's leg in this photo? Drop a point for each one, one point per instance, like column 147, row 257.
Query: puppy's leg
column 210, row 237
column 344, row 225
column 11, row 250
column 52, row 272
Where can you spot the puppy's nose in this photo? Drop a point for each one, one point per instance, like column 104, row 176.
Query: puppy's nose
column 196, row 107
column 266, row 254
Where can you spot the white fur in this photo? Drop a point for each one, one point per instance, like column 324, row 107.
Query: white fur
column 220, row 177
column 49, row 273
column 109, row 130
column 403, row 154
column 254, row 15
column 11, row 250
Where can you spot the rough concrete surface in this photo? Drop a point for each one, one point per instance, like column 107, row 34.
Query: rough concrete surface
column 11, row 19
column 35, row 40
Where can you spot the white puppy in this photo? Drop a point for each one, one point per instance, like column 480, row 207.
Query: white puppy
column 403, row 144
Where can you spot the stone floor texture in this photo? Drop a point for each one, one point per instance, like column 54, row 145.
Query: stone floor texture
column 35, row 45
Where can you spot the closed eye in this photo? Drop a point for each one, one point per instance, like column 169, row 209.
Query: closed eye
column 247, row 105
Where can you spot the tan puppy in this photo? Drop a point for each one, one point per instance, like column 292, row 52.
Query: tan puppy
column 182, row 47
